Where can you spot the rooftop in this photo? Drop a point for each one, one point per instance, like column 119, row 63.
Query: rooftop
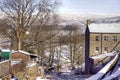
column 104, row 27
column 27, row 53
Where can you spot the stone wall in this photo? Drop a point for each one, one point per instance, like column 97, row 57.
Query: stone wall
column 110, row 44
column 5, row 68
column 30, row 73
column 18, row 67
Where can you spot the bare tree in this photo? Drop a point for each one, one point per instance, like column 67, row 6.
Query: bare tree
column 75, row 42
column 22, row 17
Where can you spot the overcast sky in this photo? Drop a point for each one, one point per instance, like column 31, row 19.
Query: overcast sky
column 90, row 6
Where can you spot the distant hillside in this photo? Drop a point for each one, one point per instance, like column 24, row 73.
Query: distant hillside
column 81, row 19
column 108, row 20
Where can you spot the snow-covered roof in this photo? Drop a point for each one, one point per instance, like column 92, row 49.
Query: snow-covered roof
column 104, row 55
column 23, row 52
column 104, row 27
column 6, row 50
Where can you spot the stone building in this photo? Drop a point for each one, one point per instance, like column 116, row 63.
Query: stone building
column 100, row 38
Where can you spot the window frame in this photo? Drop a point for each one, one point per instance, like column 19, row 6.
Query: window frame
column 106, row 49
column 96, row 38
column 105, row 38
column 97, row 49
column 114, row 38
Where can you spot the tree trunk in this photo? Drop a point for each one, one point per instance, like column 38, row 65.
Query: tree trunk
column 58, row 59
column 71, row 56
column 19, row 44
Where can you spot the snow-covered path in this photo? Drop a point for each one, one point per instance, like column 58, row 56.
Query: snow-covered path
column 69, row 76
column 66, row 73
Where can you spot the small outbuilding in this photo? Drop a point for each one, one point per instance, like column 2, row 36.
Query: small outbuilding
column 23, row 56
column 20, row 60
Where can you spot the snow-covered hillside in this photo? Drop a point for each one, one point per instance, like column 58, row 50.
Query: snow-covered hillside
column 81, row 18
column 108, row 20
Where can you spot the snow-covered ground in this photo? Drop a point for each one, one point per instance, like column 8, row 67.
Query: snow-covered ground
column 39, row 78
column 66, row 73
column 31, row 64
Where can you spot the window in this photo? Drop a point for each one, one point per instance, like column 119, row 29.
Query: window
column 105, row 38
column 97, row 38
column 114, row 38
column 97, row 49
column 105, row 49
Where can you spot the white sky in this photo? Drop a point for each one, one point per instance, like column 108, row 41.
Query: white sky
column 90, row 6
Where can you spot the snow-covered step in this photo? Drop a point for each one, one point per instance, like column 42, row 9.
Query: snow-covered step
column 114, row 75
column 104, row 70
column 115, row 68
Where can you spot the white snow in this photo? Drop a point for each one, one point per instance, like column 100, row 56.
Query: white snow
column 31, row 64
column 65, row 53
column 66, row 72
column 103, row 55
column 15, row 62
column 39, row 78
column 6, row 50
column 105, row 28
column 24, row 52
